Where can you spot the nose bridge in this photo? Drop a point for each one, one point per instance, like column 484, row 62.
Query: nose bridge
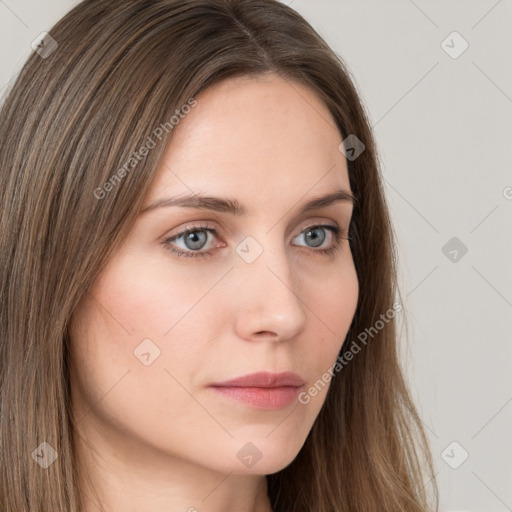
column 271, row 301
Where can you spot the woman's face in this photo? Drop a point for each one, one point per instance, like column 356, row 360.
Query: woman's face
column 157, row 329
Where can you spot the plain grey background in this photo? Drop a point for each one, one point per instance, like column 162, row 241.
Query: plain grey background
column 442, row 117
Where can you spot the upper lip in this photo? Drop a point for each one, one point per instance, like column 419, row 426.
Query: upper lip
column 264, row 380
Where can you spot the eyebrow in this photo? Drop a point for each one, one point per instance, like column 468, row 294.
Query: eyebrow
column 234, row 207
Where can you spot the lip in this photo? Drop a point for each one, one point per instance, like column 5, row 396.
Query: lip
column 264, row 380
column 262, row 390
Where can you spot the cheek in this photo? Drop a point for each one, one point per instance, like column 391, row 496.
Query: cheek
column 335, row 303
column 146, row 298
column 109, row 374
column 336, row 300
column 139, row 318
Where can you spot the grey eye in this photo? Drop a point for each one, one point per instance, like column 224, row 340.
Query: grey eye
column 194, row 240
column 315, row 235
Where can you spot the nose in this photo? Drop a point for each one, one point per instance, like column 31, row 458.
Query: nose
column 269, row 305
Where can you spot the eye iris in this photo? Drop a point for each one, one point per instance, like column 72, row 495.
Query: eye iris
column 197, row 238
column 317, row 240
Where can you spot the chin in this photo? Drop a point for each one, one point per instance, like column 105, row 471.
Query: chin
column 262, row 457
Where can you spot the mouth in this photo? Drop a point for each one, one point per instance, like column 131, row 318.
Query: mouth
column 262, row 390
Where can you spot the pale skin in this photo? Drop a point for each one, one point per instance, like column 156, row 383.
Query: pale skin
column 156, row 437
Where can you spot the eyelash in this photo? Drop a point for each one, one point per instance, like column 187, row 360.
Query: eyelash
column 339, row 235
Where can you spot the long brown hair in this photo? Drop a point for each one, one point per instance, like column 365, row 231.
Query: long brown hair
column 73, row 118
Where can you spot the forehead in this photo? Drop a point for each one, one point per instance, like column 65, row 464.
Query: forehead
column 254, row 136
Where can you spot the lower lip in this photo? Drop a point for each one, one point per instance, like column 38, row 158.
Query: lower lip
column 261, row 398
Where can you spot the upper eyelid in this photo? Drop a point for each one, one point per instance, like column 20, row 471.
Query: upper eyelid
column 215, row 231
column 204, row 225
